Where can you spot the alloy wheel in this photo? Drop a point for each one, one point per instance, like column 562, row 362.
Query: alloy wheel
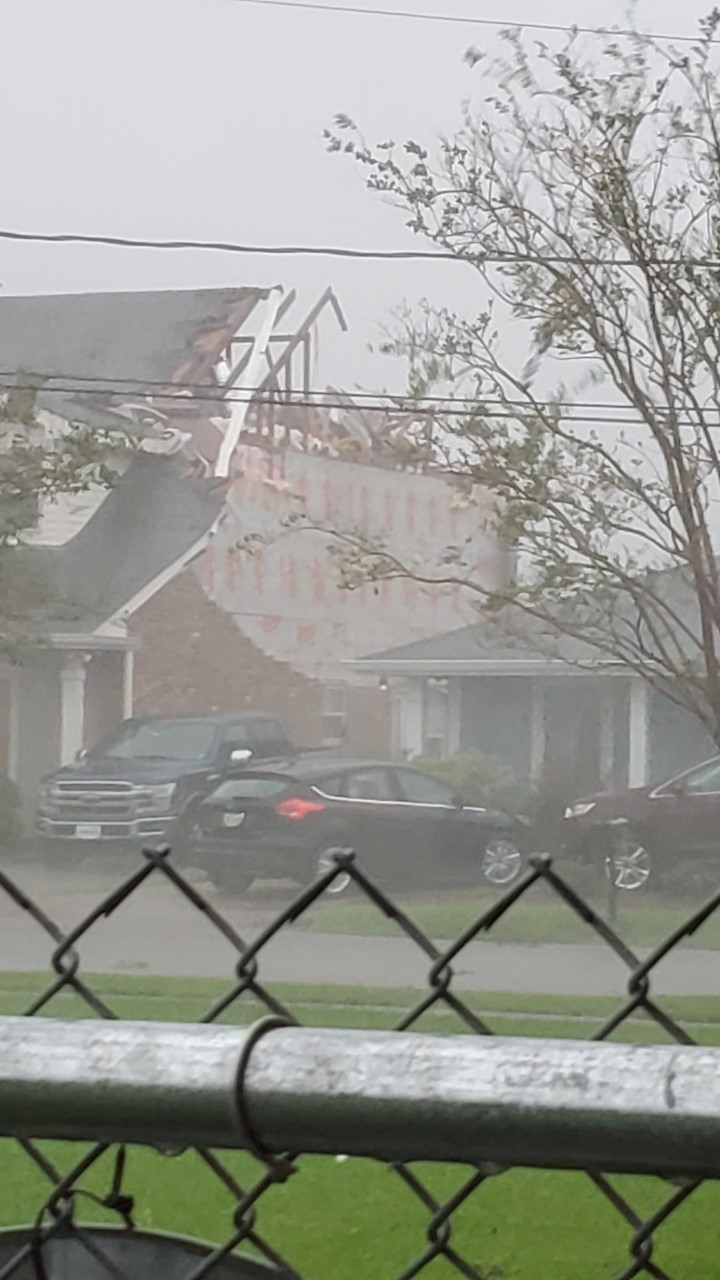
column 325, row 863
column 501, row 862
column 629, row 866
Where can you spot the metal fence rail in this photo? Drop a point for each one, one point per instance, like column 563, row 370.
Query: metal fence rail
column 561, row 1104
column 602, row 1107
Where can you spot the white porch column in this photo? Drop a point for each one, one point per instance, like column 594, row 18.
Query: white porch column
column 14, row 726
column 538, row 735
column 607, row 733
column 638, row 733
column 412, row 716
column 128, row 679
column 72, row 707
column 454, row 716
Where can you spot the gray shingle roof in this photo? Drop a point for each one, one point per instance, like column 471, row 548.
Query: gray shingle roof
column 485, row 642
column 154, row 516
column 142, row 335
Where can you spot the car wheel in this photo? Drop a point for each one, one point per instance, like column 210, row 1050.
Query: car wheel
column 323, row 863
column 232, row 880
column 629, row 862
column 182, row 836
column 502, row 861
column 62, row 854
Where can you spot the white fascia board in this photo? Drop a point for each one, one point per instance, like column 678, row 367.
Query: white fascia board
column 485, row 667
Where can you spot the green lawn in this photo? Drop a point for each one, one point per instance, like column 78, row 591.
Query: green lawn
column 343, row 1221
column 641, row 924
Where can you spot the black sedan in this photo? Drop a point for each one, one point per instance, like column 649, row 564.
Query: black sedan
column 408, row 829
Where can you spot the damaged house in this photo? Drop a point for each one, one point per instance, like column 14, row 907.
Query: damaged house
column 185, row 588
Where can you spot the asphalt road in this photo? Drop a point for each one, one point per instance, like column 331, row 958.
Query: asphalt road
column 157, row 932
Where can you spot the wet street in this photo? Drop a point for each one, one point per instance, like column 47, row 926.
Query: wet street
column 157, row 932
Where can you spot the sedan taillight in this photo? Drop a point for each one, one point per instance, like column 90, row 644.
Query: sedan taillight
column 296, row 808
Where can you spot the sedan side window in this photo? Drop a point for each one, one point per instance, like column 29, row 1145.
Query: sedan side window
column 369, row 784
column 703, row 781
column 420, row 788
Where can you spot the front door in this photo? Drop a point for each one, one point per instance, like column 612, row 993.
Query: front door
column 685, row 815
column 373, row 819
column 443, row 850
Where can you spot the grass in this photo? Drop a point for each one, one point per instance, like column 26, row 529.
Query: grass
column 338, row 1221
column 341, row 1221
column 642, row 924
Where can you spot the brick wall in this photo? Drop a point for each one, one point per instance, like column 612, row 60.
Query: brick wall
column 193, row 659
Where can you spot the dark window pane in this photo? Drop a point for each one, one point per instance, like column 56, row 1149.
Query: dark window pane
column 422, row 789
column 369, row 784
column 250, row 788
column 162, row 740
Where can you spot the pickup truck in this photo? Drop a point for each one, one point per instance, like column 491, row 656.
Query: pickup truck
column 143, row 783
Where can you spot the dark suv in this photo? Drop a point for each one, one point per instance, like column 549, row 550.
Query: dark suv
column 646, row 831
column 409, row 830
column 144, row 782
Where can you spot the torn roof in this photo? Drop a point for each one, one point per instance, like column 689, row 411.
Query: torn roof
column 173, row 335
column 154, row 518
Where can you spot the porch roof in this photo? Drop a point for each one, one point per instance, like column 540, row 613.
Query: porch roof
column 475, row 650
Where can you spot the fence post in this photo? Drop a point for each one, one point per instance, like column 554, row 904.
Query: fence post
column 612, row 893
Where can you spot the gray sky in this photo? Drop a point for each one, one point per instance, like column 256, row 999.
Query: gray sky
column 202, row 119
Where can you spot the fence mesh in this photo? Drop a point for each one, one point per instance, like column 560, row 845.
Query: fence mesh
column 71, row 1177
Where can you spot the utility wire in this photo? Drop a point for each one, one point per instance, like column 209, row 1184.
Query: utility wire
column 277, row 401
column 169, row 390
column 339, row 251
column 457, row 19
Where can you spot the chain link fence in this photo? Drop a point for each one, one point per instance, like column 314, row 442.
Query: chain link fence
column 68, row 1174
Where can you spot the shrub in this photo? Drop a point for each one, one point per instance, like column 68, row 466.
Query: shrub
column 478, row 779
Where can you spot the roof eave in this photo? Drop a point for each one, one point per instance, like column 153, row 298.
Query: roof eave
column 92, row 640
column 485, row 667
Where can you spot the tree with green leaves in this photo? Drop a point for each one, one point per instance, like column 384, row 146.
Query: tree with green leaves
column 38, row 461
column 584, row 195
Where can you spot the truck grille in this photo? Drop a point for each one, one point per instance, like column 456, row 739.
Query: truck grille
column 101, row 800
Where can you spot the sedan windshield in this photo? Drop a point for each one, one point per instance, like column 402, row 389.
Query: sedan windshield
column 162, row 740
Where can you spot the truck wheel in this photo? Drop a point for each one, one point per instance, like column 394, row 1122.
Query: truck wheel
column 63, row 855
column 180, row 838
column 233, row 881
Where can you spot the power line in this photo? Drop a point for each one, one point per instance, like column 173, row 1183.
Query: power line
column 476, row 256
column 225, row 246
column 513, row 412
column 457, row 19
column 168, row 390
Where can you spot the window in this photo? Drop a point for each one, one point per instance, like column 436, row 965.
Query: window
column 264, row 738
column 334, row 714
column 328, row 786
column 267, row 731
column 419, row 788
column 704, row 780
column 161, row 740
column 367, row 784
column 436, row 720
column 250, row 788
column 236, row 736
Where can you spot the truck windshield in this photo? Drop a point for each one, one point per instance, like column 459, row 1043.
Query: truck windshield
column 162, row 740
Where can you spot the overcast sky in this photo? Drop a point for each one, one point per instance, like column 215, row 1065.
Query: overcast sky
column 202, row 119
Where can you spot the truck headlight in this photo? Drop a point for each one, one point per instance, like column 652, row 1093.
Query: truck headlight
column 580, row 809
column 158, row 797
